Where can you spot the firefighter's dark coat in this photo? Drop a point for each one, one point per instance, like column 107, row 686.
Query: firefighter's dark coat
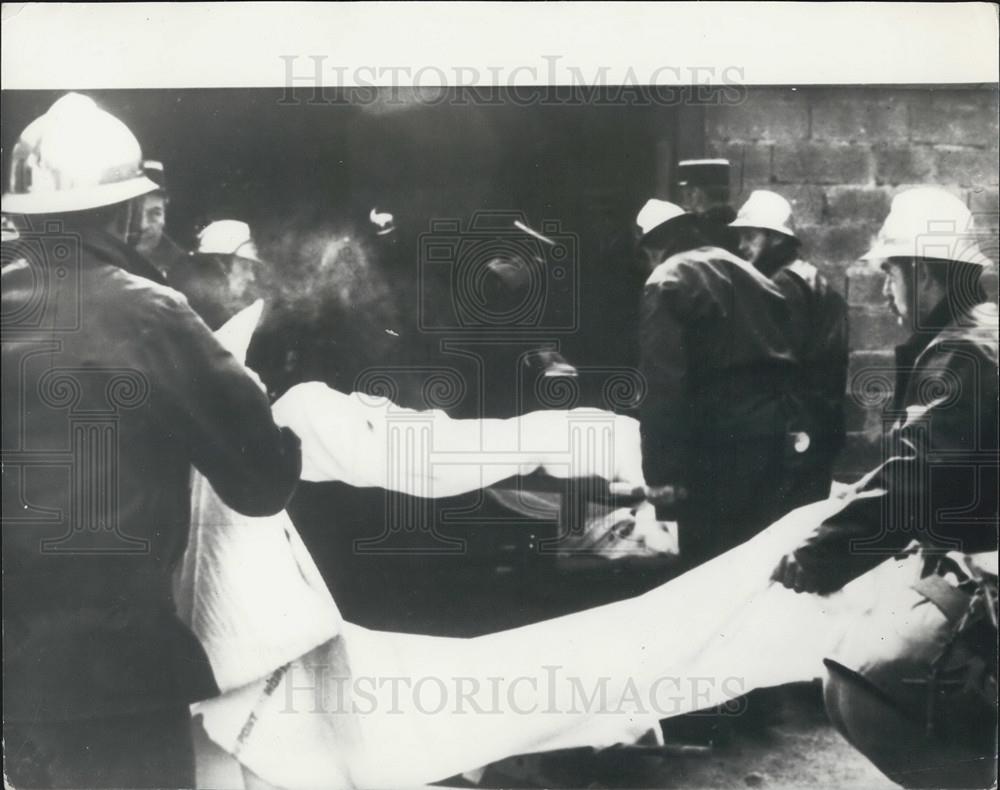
column 113, row 388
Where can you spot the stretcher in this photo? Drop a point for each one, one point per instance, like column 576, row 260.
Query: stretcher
column 310, row 699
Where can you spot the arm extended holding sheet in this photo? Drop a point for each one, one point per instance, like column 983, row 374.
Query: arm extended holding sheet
column 371, row 442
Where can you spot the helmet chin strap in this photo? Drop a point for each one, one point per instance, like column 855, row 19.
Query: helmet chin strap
column 133, row 222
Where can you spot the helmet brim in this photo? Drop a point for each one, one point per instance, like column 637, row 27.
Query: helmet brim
column 658, row 233
column 782, row 229
column 967, row 253
column 55, row 202
column 247, row 251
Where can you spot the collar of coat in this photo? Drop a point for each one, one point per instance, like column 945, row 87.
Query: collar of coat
column 977, row 323
column 709, row 254
column 113, row 251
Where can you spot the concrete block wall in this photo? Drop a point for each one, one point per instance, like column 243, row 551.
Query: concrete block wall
column 839, row 155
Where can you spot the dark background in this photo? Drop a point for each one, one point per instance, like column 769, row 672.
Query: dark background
column 305, row 177
column 302, row 173
column 265, row 156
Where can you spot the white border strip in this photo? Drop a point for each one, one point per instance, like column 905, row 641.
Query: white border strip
column 178, row 45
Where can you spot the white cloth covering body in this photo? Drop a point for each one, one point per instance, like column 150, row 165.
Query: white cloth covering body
column 310, row 700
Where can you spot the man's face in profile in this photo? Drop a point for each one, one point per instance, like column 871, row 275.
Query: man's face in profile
column 753, row 243
column 896, row 289
column 242, row 279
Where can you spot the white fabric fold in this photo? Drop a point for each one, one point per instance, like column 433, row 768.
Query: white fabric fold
column 247, row 587
column 312, row 701
column 373, row 709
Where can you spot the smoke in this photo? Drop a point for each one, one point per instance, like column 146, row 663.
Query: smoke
column 334, row 303
column 330, row 267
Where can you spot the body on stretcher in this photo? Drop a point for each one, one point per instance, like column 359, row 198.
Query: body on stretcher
column 255, row 598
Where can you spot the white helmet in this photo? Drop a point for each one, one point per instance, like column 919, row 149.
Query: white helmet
column 75, row 157
column 228, row 237
column 383, row 221
column 766, row 210
column 655, row 213
column 927, row 222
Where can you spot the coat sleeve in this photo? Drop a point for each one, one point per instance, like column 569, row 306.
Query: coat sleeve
column 210, row 403
column 821, row 321
column 826, row 365
column 937, row 474
column 670, row 301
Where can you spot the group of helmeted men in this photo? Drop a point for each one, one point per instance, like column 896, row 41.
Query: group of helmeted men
column 743, row 348
column 745, row 357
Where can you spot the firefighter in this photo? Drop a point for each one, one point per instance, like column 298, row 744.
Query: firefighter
column 154, row 244
column 913, row 684
column 655, row 234
column 718, row 365
column 223, row 275
column 818, row 334
column 112, row 390
column 703, row 188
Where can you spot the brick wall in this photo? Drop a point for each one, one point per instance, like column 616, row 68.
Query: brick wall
column 839, row 155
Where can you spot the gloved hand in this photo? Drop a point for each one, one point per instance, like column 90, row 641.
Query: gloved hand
column 656, row 495
column 659, row 536
column 793, row 576
column 663, row 498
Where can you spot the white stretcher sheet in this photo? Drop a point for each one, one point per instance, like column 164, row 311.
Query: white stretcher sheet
column 373, row 709
column 312, row 701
